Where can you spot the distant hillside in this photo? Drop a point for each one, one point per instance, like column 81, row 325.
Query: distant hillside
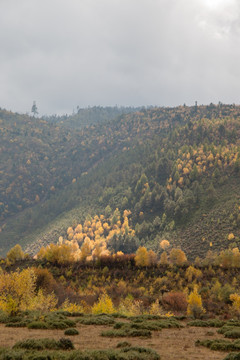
column 90, row 116
column 175, row 169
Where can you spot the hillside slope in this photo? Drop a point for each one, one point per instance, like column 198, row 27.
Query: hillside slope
column 175, row 169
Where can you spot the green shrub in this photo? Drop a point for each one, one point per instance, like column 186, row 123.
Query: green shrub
column 52, row 324
column 4, row 317
column 233, row 333
column 71, row 331
column 219, row 344
column 63, row 324
column 125, row 353
column 224, row 329
column 123, row 344
column 13, row 355
column 37, row 325
column 66, row 344
column 146, row 317
column 42, row 344
column 127, row 333
column 207, row 323
column 17, row 324
column 76, row 313
column 96, row 320
column 232, row 356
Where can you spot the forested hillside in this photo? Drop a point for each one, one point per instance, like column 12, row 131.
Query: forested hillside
column 175, row 169
column 89, row 116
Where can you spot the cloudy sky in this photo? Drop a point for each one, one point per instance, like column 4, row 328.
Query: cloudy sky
column 64, row 53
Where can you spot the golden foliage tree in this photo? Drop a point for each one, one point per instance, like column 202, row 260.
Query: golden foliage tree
column 16, row 290
column 141, row 257
column 15, row 254
column 195, row 307
column 104, row 305
column 59, row 254
column 164, row 259
column 177, row 257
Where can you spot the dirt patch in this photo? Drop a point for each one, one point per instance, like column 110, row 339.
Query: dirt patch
column 174, row 344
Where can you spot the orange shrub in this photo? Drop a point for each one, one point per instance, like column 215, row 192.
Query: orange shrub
column 175, row 301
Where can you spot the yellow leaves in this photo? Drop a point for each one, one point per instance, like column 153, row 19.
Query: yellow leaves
column 42, row 302
column 144, row 257
column 164, row 258
column 195, row 307
column 70, row 236
column 164, row 244
column 231, row 236
column 104, row 305
column 106, row 226
column 185, row 171
column 235, row 298
column 78, row 237
column 72, row 307
column 126, row 213
column 156, row 309
column 59, row 254
column 179, row 167
column 15, row 254
column 177, row 256
column 18, row 293
column 141, row 257
column 16, row 290
column 210, row 157
column 78, row 228
column 94, row 235
column 192, row 272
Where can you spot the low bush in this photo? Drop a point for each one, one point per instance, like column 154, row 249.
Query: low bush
column 127, row 333
column 37, row 325
column 233, row 333
column 123, row 344
column 17, row 324
column 146, row 317
column 71, row 331
column 224, row 329
column 63, row 324
column 219, row 344
column 51, row 324
column 4, row 317
column 207, row 323
column 96, row 320
column 43, row 344
column 124, row 353
column 232, row 356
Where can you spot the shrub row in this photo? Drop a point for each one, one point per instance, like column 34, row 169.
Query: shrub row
column 125, row 353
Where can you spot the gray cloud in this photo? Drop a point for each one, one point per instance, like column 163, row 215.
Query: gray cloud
column 64, row 53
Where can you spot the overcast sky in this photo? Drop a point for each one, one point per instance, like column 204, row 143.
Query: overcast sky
column 64, row 53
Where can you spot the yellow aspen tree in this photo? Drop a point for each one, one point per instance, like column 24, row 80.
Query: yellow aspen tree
column 164, row 259
column 164, row 244
column 152, row 258
column 104, row 305
column 177, row 257
column 14, row 255
column 195, row 307
column 141, row 257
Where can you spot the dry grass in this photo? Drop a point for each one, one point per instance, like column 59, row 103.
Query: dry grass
column 174, row 344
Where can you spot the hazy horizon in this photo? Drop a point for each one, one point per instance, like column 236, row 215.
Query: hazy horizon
column 65, row 54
